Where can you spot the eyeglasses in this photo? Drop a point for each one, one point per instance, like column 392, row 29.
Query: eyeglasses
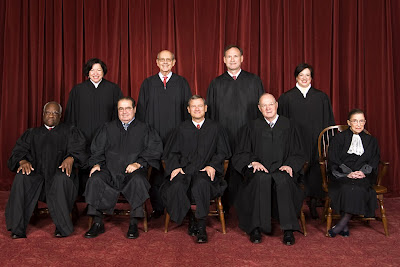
column 267, row 105
column 121, row 109
column 54, row 113
column 162, row 60
column 358, row 121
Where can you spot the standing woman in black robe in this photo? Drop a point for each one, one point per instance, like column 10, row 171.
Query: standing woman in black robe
column 311, row 109
column 91, row 104
column 352, row 165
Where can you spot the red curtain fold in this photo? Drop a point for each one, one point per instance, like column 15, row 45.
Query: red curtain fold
column 351, row 44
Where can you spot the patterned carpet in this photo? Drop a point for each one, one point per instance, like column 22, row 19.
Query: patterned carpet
column 366, row 246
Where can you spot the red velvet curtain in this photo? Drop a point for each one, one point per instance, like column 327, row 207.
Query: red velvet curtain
column 351, row 44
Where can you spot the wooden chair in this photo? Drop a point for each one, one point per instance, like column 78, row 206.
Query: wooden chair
column 218, row 209
column 323, row 146
column 126, row 212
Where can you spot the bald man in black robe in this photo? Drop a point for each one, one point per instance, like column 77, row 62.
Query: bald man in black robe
column 232, row 101
column 122, row 151
column 43, row 158
column 194, row 157
column 162, row 104
column 269, row 156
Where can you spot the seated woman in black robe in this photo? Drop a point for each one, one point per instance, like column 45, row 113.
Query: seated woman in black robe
column 352, row 165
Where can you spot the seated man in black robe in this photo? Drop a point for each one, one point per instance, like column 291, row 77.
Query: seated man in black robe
column 122, row 150
column 194, row 157
column 43, row 158
column 269, row 156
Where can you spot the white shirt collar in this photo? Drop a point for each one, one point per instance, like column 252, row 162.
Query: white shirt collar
column 237, row 74
column 48, row 127
column 274, row 121
column 96, row 84
column 162, row 76
column 304, row 91
column 201, row 123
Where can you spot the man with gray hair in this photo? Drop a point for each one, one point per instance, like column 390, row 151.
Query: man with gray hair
column 43, row 158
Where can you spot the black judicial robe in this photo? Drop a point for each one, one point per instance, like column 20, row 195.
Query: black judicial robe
column 272, row 148
column 233, row 103
column 163, row 108
column 312, row 114
column 355, row 196
column 114, row 148
column 46, row 150
column 89, row 107
column 193, row 149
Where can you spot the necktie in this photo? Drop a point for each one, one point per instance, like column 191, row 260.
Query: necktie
column 125, row 126
column 234, row 77
column 50, row 129
column 198, row 126
column 165, row 81
column 271, row 124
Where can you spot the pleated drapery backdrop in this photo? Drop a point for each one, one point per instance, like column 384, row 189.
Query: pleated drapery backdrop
column 351, row 45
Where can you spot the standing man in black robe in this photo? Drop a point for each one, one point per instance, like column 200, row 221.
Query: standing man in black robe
column 122, row 150
column 232, row 101
column 162, row 104
column 43, row 158
column 194, row 157
column 91, row 104
column 311, row 110
column 269, row 156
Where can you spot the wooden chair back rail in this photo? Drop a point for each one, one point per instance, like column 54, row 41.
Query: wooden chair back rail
column 324, row 139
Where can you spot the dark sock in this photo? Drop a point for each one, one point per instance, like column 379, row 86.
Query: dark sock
column 133, row 221
column 342, row 224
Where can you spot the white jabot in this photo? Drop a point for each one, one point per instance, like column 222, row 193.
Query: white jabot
column 96, row 84
column 304, row 91
column 356, row 146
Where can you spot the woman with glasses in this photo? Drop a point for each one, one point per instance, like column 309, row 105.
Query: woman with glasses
column 352, row 164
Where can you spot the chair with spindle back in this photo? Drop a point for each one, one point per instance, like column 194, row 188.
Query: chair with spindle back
column 324, row 140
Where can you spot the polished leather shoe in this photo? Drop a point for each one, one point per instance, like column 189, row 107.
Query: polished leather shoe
column 133, row 232
column 95, row 230
column 288, row 238
column 192, row 229
column 255, row 236
column 202, row 235
column 15, row 236
column 156, row 214
column 58, row 234
column 345, row 233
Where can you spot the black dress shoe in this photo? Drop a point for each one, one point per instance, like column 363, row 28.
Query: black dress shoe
column 95, row 230
column 192, row 229
column 133, row 232
column 58, row 234
column 156, row 214
column 202, row 235
column 255, row 236
column 15, row 236
column 345, row 233
column 288, row 238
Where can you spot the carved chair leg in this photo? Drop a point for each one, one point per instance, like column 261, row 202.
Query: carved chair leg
column 90, row 221
column 167, row 218
column 326, row 207
column 383, row 215
column 221, row 214
column 328, row 220
column 145, row 218
column 303, row 222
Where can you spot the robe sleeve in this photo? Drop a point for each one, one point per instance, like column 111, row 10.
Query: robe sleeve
column 329, row 119
column 117, row 95
column 283, row 106
column 244, row 155
column 21, row 150
column 374, row 153
column 142, row 101
column 152, row 153
column 69, row 116
column 211, row 105
column 296, row 158
column 76, row 147
column 172, row 154
column 223, row 152
column 98, row 147
column 334, row 161
column 187, row 93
